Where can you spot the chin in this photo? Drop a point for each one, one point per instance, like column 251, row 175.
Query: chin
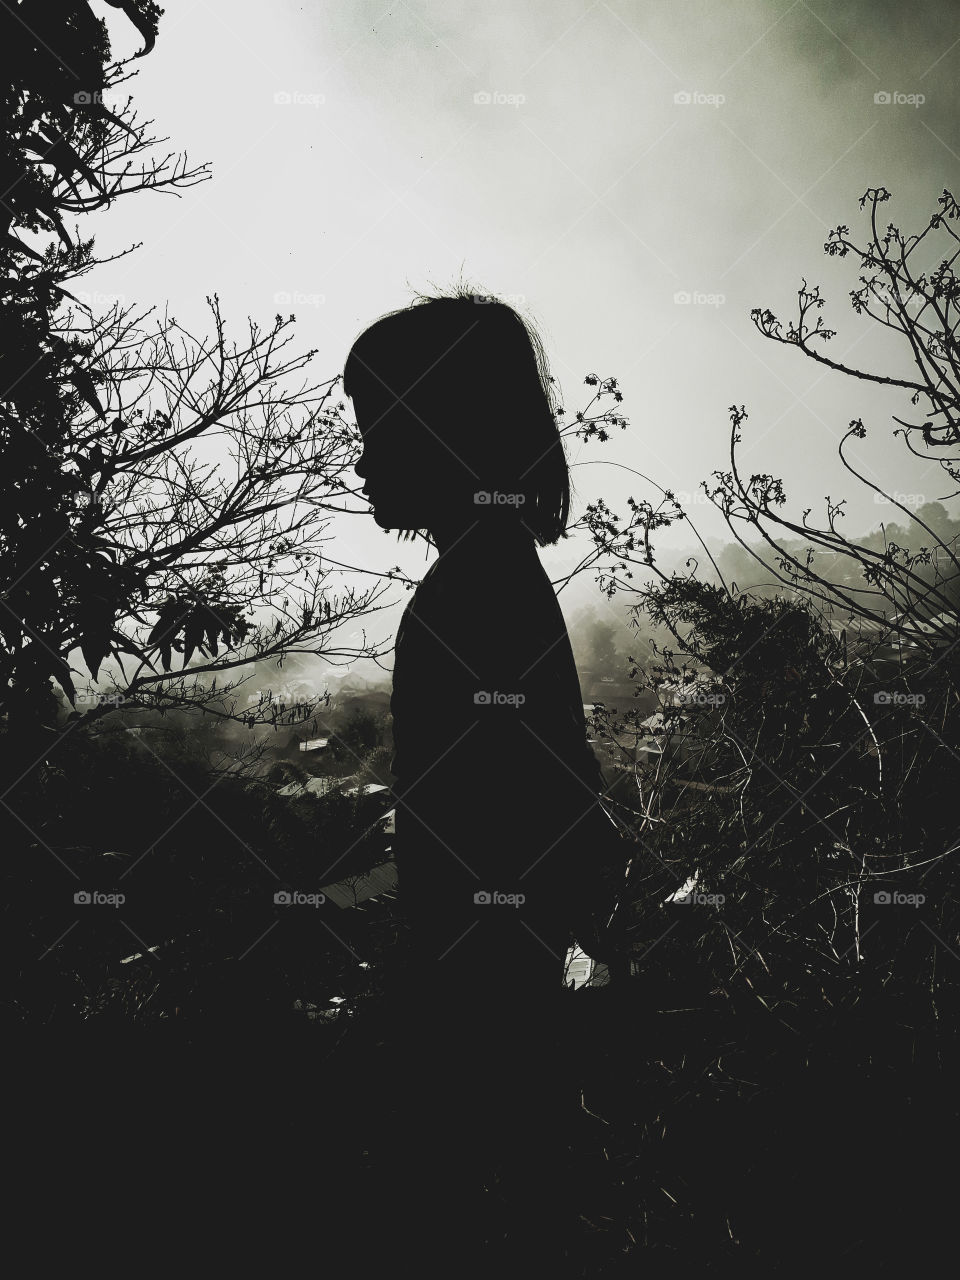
column 399, row 520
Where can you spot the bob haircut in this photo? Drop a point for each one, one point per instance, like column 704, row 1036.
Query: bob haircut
column 474, row 374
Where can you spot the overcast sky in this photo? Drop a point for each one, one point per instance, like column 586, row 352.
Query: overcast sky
column 537, row 149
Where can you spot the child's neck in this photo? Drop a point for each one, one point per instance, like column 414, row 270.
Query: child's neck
column 476, row 528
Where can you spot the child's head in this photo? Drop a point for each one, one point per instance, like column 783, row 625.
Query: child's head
column 454, row 404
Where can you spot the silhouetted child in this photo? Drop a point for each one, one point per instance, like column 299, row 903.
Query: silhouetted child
column 496, row 785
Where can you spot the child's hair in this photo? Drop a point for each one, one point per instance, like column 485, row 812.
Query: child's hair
column 471, row 371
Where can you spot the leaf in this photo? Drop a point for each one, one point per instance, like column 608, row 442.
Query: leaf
column 126, row 645
column 192, row 636
column 212, row 628
column 68, row 163
column 145, row 22
column 169, row 618
column 62, row 676
column 94, row 648
column 85, row 385
column 19, row 247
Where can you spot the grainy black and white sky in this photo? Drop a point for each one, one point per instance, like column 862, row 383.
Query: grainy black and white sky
column 362, row 150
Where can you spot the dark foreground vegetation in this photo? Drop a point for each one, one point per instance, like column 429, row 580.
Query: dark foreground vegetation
column 770, row 1090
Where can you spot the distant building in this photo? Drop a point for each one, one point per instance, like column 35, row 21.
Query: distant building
column 941, row 628
column 662, row 734
column 354, row 890
column 601, row 686
column 366, row 789
column 877, row 645
column 313, row 787
column 581, row 970
column 695, row 691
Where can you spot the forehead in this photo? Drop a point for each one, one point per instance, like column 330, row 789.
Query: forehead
column 376, row 391
column 383, row 419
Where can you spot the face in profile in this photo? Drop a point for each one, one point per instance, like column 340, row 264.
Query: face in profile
column 407, row 480
column 452, row 401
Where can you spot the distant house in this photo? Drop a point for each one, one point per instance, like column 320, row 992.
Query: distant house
column 366, row 789
column 311, row 745
column 942, row 627
column 877, row 645
column 354, row 890
column 581, row 970
column 656, row 733
column 615, row 754
column 347, row 786
column 649, row 749
column 597, row 686
column 313, row 787
column 675, row 692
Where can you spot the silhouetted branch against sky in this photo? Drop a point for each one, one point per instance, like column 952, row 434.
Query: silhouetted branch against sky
column 695, row 157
